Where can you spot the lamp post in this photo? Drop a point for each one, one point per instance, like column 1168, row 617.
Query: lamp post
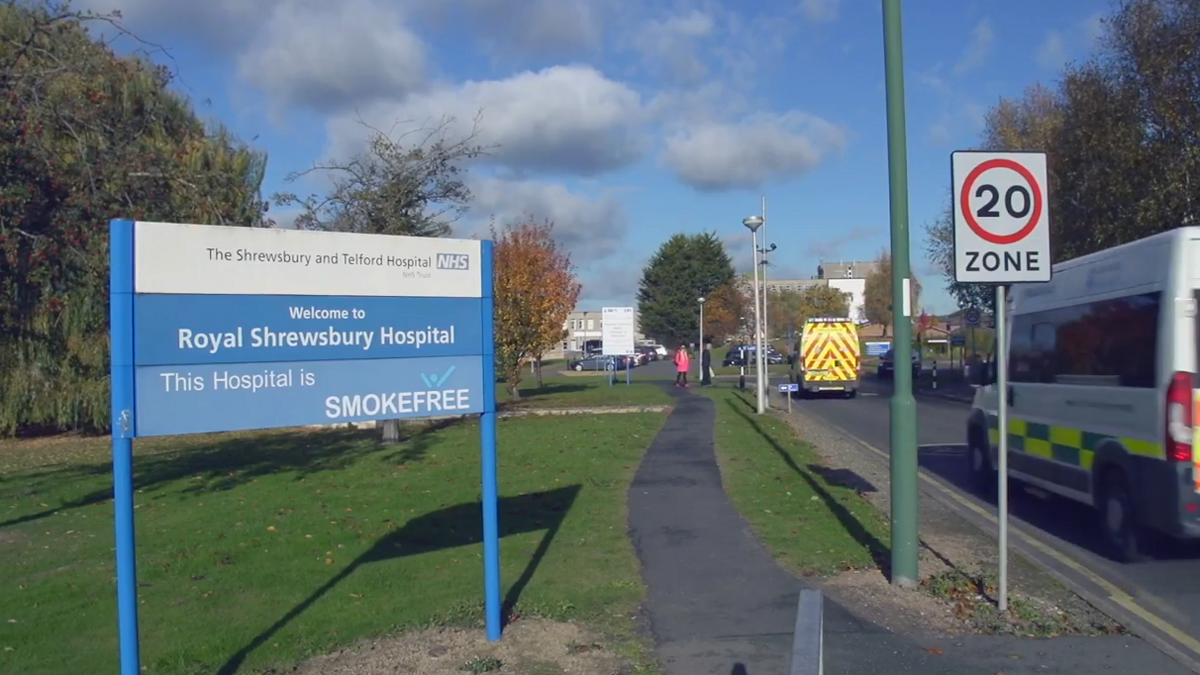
column 752, row 223
column 766, row 316
column 766, row 291
column 905, row 489
column 700, row 353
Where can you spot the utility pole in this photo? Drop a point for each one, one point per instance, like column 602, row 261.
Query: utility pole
column 903, row 407
column 752, row 223
column 766, row 288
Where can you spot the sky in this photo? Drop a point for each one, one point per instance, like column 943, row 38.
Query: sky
column 627, row 121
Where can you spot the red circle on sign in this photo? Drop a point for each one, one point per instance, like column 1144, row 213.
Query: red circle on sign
column 964, row 200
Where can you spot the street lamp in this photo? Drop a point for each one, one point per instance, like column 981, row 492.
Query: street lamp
column 700, row 354
column 766, row 316
column 752, row 223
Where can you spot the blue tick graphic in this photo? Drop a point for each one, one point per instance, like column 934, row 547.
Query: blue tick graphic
column 433, row 380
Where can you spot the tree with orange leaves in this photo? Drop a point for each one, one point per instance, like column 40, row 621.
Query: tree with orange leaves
column 535, row 289
column 723, row 312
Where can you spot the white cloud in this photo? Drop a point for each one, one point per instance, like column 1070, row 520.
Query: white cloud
column 670, row 45
column 1060, row 46
column 562, row 119
column 820, row 10
column 978, row 49
column 713, row 156
column 956, row 115
column 328, row 59
column 1093, row 29
column 591, row 228
column 831, row 248
column 525, row 27
column 1053, row 52
column 613, row 283
column 213, row 23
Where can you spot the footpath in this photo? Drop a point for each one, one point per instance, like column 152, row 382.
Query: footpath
column 718, row 604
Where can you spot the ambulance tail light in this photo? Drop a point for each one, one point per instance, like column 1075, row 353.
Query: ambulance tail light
column 1179, row 418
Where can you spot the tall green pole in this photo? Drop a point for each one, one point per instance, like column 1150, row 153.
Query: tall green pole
column 904, row 407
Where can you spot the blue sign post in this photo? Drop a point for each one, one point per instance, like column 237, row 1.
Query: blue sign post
column 229, row 328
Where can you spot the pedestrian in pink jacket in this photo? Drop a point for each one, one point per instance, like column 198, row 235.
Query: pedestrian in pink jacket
column 683, row 363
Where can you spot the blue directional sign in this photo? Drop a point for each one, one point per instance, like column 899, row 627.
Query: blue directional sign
column 233, row 328
column 784, row 388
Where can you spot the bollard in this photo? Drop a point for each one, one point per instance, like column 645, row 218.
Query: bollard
column 808, row 640
column 742, row 378
column 935, row 374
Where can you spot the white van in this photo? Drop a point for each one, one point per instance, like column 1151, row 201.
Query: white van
column 1102, row 389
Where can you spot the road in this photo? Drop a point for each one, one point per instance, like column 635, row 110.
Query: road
column 1163, row 593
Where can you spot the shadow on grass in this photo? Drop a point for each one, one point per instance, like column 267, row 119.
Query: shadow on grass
column 222, row 462
column 544, row 391
column 880, row 552
column 460, row 525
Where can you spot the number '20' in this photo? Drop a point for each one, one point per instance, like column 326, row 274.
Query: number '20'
column 988, row 210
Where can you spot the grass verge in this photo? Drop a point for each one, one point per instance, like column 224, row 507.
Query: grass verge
column 258, row 550
column 810, row 524
column 560, row 391
column 734, row 370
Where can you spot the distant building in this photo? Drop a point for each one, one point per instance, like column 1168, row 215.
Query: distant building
column 793, row 284
column 847, row 277
column 583, row 327
column 846, row 270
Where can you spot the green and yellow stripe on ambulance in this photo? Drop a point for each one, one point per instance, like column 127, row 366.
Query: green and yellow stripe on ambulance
column 1195, row 441
column 1065, row 445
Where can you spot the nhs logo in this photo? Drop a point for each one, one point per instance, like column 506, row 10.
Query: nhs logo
column 453, row 261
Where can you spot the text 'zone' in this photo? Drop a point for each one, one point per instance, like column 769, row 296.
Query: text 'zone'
column 1010, row 261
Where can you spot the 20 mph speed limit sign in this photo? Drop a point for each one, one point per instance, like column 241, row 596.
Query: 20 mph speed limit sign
column 1001, row 217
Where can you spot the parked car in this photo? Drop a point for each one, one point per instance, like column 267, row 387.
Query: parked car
column 743, row 355
column 886, row 368
column 602, row 362
column 736, row 356
column 649, row 352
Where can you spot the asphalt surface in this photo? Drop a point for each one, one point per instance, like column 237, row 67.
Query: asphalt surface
column 719, row 605
column 1168, row 585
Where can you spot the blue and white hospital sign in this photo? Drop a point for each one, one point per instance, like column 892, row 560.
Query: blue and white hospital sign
column 249, row 328
column 235, row 328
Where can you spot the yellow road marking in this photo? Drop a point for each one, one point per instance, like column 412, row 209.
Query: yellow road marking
column 1115, row 594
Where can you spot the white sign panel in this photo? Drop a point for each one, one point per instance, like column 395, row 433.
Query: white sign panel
column 219, row 260
column 617, row 331
column 1001, row 217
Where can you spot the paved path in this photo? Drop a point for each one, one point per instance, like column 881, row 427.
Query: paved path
column 719, row 605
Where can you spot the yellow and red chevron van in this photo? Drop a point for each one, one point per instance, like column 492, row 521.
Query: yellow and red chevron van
column 828, row 357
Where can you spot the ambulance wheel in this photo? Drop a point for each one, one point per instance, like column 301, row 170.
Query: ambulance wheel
column 1118, row 523
column 979, row 464
column 853, row 393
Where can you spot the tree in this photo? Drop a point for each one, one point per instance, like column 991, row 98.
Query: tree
column 939, row 247
column 412, row 185
column 723, row 312
column 822, row 302
column 877, row 294
column 1122, row 136
column 791, row 308
column 1030, row 122
column 535, row 290
column 86, row 136
column 685, row 268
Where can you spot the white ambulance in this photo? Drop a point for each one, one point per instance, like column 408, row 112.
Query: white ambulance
column 1102, row 389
